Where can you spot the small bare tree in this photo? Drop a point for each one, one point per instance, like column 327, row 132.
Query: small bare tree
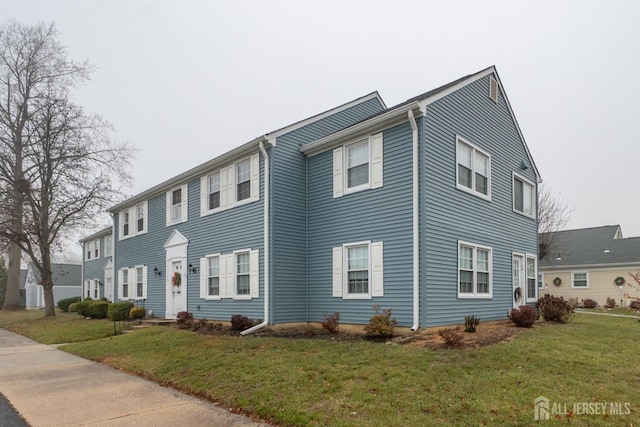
column 553, row 216
column 58, row 165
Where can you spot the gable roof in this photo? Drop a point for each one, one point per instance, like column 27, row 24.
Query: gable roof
column 237, row 153
column 598, row 246
column 63, row 274
column 398, row 114
column 96, row 235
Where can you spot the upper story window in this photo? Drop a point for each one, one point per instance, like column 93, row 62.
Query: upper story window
column 177, row 205
column 92, row 250
column 132, row 222
column 474, row 169
column 230, row 186
column 96, row 248
column 474, row 271
column 358, row 165
column 107, row 245
column 524, row 196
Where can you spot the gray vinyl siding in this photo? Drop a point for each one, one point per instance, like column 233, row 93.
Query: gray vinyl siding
column 382, row 214
column 94, row 268
column 289, row 272
column 450, row 215
column 240, row 227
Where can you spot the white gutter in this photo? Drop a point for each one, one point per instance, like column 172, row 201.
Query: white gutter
column 416, row 223
column 114, row 276
column 265, row 322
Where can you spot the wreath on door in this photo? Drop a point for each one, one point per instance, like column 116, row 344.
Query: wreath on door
column 517, row 294
column 176, row 280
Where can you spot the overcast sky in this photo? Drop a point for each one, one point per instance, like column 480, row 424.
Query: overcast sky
column 185, row 81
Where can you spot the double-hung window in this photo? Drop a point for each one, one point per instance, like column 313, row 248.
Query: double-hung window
column 139, row 282
column 524, row 196
column 474, row 270
column 213, row 183
column 358, row 270
column 243, row 180
column 233, row 275
column 125, row 224
column 177, row 205
column 213, row 276
column 132, row 221
column 531, row 278
column 124, row 280
column 580, row 279
column 243, row 270
column 107, row 245
column 140, row 217
column 473, row 170
column 357, row 165
column 96, row 248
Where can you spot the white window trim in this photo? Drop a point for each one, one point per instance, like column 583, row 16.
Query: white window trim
column 528, row 256
column 228, row 188
column 534, row 203
column 475, row 294
column 90, row 255
column 204, row 277
column 493, row 83
column 253, row 275
column 184, row 205
column 375, row 270
column 473, row 170
column 110, row 247
column 133, row 221
column 376, row 166
column 573, row 274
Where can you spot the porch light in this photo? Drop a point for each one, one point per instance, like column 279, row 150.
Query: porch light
column 157, row 272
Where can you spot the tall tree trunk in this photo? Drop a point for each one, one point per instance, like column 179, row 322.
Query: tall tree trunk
column 12, row 295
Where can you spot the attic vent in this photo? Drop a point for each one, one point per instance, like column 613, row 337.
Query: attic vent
column 493, row 89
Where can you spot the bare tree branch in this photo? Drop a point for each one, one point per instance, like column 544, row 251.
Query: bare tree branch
column 553, row 216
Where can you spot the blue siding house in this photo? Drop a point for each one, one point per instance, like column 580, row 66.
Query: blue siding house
column 97, row 265
column 427, row 208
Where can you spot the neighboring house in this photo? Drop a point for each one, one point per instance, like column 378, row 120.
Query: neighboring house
column 588, row 261
column 97, row 266
column 427, row 208
column 66, row 284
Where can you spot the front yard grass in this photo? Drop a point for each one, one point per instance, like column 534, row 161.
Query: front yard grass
column 316, row 382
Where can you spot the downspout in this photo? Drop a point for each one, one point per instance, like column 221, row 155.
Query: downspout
column 81, row 274
column 266, row 244
column 114, row 276
column 416, row 223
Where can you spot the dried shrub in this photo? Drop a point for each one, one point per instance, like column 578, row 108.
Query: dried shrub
column 240, row 322
column 471, row 323
column 184, row 320
column 574, row 302
column 137, row 313
column 589, row 303
column 381, row 324
column 452, row 336
column 524, row 316
column 332, row 322
column 611, row 302
column 555, row 309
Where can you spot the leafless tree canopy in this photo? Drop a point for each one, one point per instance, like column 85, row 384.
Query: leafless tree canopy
column 59, row 166
column 553, row 215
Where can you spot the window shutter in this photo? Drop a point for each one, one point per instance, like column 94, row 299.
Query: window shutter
column 120, row 225
column 120, row 284
column 168, row 208
column 203, row 278
column 223, row 189
column 231, row 281
column 255, row 177
column 146, row 216
column 185, row 203
column 144, row 282
column 377, row 273
column 376, row 160
column 338, row 181
column 133, row 280
column 204, row 200
column 223, row 276
column 337, row 271
column 231, row 183
column 254, row 280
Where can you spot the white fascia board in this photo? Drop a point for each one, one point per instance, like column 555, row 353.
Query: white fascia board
column 373, row 125
column 229, row 157
column 96, row 235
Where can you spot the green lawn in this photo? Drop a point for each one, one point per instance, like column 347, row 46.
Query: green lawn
column 314, row 382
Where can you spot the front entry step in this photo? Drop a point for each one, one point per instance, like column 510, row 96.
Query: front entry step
column 157, row 322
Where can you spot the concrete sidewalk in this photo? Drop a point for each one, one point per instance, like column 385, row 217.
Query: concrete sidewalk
column 49, row 387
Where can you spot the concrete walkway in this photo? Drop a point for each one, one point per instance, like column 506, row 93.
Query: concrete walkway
column 49, row 387
column 607, row 314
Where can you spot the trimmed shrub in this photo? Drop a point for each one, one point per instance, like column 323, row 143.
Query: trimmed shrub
column 611, row 302
column 524, row 316
column 119, row 310
column 137, row 313
column 98, row 309
column 589, row 303
column 332, row 322
column 452, row 336
column 73, row 307
column 471, row 323
column 82, row 307
column 554, row 309
column 64, row 304
column 381, row 324
column 240, row 322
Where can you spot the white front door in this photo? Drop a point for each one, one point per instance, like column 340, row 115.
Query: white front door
column 519, row 289
column 176, row 289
